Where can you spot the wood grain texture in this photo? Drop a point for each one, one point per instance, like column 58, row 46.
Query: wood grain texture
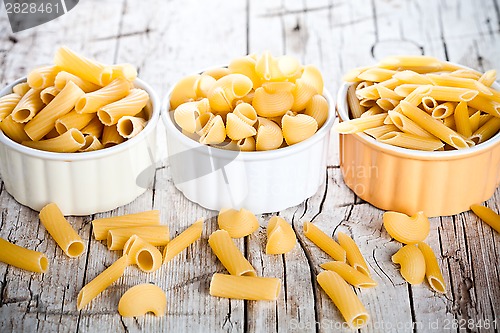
column 167, row 40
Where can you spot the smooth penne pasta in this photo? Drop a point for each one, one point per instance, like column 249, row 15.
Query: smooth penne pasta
column 68, row 142
column 429, row 104
column 410, row 141
column 443, row 110
column 61, row 231
column 432, row 270
column 141, row 299
column 415, row 97
column 229, row 255
column 181, row 242
column 488, row 77
column 485, row 104
column 373, row 111
column 353, row 254
column 387, row 93
column 245, row 287
column 324, row 242
column 405, row 89
column 280, row 236
column 451, row 94
column 474, row 120
column 462, row 122
column 360, row 124
column 407, row 229
column 484, row 118
column 130, row 105
column 29, row 105
column 352, row 276
column 91, row 143
column 62, row 78
column 21, row 257
column 453, row 81
column 21, row 88
column 73, row 119
column 237, row 223
column 93, row 101
column 376, row 74
column 129, row 126
column 7, row 104
column 48, row 94
column 378, row 131
column 420, row 64
column 353, row 102
column 369, row 92
column 344, row 299
column 487, row 215
column 157, row 235
column 407, row 125
column 352, row 75
column 94, row 128
column 408, row 76
column 111, row 137
column 487, row 131
column 466, row 74
column 75, row 64
column 15, row 131
column 412, row 263
column 42, row 77
column 141, row 253
column 101, row 282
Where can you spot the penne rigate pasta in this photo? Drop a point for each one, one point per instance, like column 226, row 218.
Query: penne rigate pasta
column 75, row 64
column 42, row 77
column 14, row 130
column 181, row 242
column 412, row 263
column 91, row 143
column 432, row 270
column 129, row 105
column 21, row 257
column 48, row 94
column 229, row 255
column 352, row 276
column 157, row 235
column 407, row 229
column 63, row 78
column 141, row 253
column 245, row 287
column 410, row 141
column 73, row 120
column 353, row 254
column 487, row 215
column 324, row 242
column 93, row 101
column 7, row 104
column 128, row 126
column 141, row 299
column 238, row 223
column 100, row 227
column 280, row 236
column 111, row 137
column 21, row 88
column 29, row 105
column 68, row 142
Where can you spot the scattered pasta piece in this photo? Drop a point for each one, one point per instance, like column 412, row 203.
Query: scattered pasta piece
column 412, row 263
column 237, row 223
column 155, row 235
column 487, row 215
column 23, row 258
column 101, row 226
column 245, row 287
column 146, row 256
column 324, row 242
column 280, row 236
column 353, row 254
column 229, row 255
column 141, row 299
column 181, row 242
column 349, row 274
column 405, row 229
column 432, row 270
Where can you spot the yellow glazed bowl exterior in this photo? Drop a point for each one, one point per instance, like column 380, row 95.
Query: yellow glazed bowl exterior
column 439, row 183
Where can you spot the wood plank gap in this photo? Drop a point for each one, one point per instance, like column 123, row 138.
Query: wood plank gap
column 87, row 257
column 412, row 308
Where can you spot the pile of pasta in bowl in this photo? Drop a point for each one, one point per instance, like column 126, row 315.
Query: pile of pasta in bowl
column 257, row 103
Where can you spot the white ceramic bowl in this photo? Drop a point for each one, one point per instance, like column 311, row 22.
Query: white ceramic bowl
column 262, row 182
column 81, row 183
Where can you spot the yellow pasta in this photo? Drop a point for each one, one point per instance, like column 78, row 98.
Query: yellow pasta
column 28, row 106
column 93, row 101
column 229, row 255
column 280, row 236
column 245, row 287
column 246, row 112
column 344, row 299
column 75, row 64
column 101, row 282
column 61, row 231
column 462, row 122
column 111, row 72
column 487, row 215
column 246, row 144
column 406, row 229
column 237, row 223
column 93, row 128
column 302, row 94
column 111, row 137
column 412, row 263
column 324, row 242
column 21, row 88
column 377, row 132
column 48, row 94
column 101, row 226
column 217, row 73
column 406, row 125
column 91, row 143
column 488, row 77
column 269, row 135
column 453, row 94
column 184, row 91
column 485, row 104
column 297, row 127
column 14, row 130
column 157, row 235
column 353, row 102
column 181, row 242
column 474, row 120
column 63, row 77
column 375, row 74
column 432, row 270
column 453, row 81
column 411, row 141
column 246, row 66
column 42, row 77
column 227, row 89
column 387, row 93
column 419, row 64
column 405, row 89
column 415, row 97
column 214, row 131
column 141, row 299
column 408, row 76
column 7, row 104
column 269, row 102
column 141, row 253
column 466, row 74
column 73, row 119
column 429, row 104
column 23, row 258
column 130, row 105
column 352, row 75
column 484, row 118
column 69, row 142
column 487, row 131
column 353, row 254
column 352, row 276
column 360, row 124
column 444, row 110
column 237, row 129
column 318, row 109
column 129, row 126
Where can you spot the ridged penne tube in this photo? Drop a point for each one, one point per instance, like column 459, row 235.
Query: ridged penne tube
column 429, row 104
column 29, row 105
column 453, row 81
column 487, row 131
column 412, row 263
column 487, row 215
column 48, row 94
column 44, row 121
column 488, row 77
column 62, row 78
column 462, row 123
column 433, row 126
column 432, row 270
column 157, row 235
column 484, row 118
column 280, row 236
column 376, row 74
column 141, row 299
column 251, row 288
column 360, row 124
column 7, row 104
column 246, row 144
column 73, row 120
column 141, row 253
column 474, row 120
column 237, row 223
column 387, row 104
column 82, row 67
column 443, row 110
column 101, row 282
column 69, row 142
column 93, row 101
column 411, row 141
column 237, row 129
column 217, row 73
column 297, row 127
column 91, row 143
column 23, row 258
column 42, row 77
column 227, row 89
column 111, row 137
column 302, row 94
column 93, row 128
column 344, row 299
column 101, row 226
column 407, row 125
column 411, row 77
column 21, row 88
column 52, row 134
column 352, row 276
column 61, row 231
column 324, row 242
column 246, row 112
column 272, row 104
column 214, row 132
column 318, row 109
column 15, row 131
column 420, row 64
column 269, row 135
column 353, row 254
column 229, row 255
column 183, row 241
column 406, row 229
column 377, row 132
column 485, row 104
column 129, row 126
column 246, row 66
column 452, row 94
column 111, row 72
column 130, row 105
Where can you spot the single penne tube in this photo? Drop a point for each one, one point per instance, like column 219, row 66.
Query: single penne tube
column 415, row 97
column 111, row 137
column 48, row 94
column 281, row 238
column 101, row 282
column 453, row 81
column 368, row 92
column 412, row 263
column 352, row 276
column 101, row 226
column 7, row 104
column 130, row 105
column 238, row 223
column 387, row 104
column 229, row 255
column 487, row 215
column 432, row 270
column 450, row 122
column 42, row 77
column 484, row 118
column 129, row 126
column 93, row 101
column 63, row 77
column 364, row 84
column 73, row 119
column 372, row 111
column 353, row 102
column 367, row 103
column 474, row 120
column 68, row 142
column 141, row 299
column 429, row 104
column 452, row 94
column 405, row 89
column 462, row 122
column 377, row 132
column 29, row 105
column 466, row 73
column 487, row 131
column 15, row 131
column 181, row 242
column 353, row 254
column 405, row 124
column 155, row 235
column 21, row 88
column 411, row 141
column 376, row 74
column 360, row 124
column 488, row 77
column 407, row 229
column 61, row 231
column 141, row 253
column 389, row 84
column 324, row 242
column 44, row 121
column 80, row 66
column 91, row 143
column 412, row 77
column 485, row 104
column 21, row 257
column 352, row 75
column 251, row 288
column 433, row 126
column 385, row 92
column 443, row 110
column 344, row 299
column 420, row 64
column 111, row 72
column 94, row 128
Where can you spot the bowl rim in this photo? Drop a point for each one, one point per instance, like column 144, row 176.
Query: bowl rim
column 342, row 108
column 248, row 155
column 70, row 157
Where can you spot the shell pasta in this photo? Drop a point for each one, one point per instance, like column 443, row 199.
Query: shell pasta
column 280, row 236
column 412, row 263
column 141, row 299
column 237, row 223
column 405, row 229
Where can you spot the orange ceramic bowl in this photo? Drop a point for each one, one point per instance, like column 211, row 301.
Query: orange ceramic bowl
column 440, row 183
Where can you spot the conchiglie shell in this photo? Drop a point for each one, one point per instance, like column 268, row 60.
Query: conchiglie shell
column 280, row 236
column 183, row 91
column 289, row 67
column 237, row 129
column 269, row 135
column 318, row 109
column 185, row 116
column 216, row 132
column 202, row 121
column 246, row 66
column 227, row 89
column 204, row 105
column 203, row 85
column 267, row 68
column 237, row 223
column 312, row 76
column 246, row 144
column 272, row 104
column 302, row 94
column 217, row 73
column 246, row 112
column 275, row 87
column 297, row 128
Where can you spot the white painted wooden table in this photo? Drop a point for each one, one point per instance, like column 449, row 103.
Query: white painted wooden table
column 168, row 39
